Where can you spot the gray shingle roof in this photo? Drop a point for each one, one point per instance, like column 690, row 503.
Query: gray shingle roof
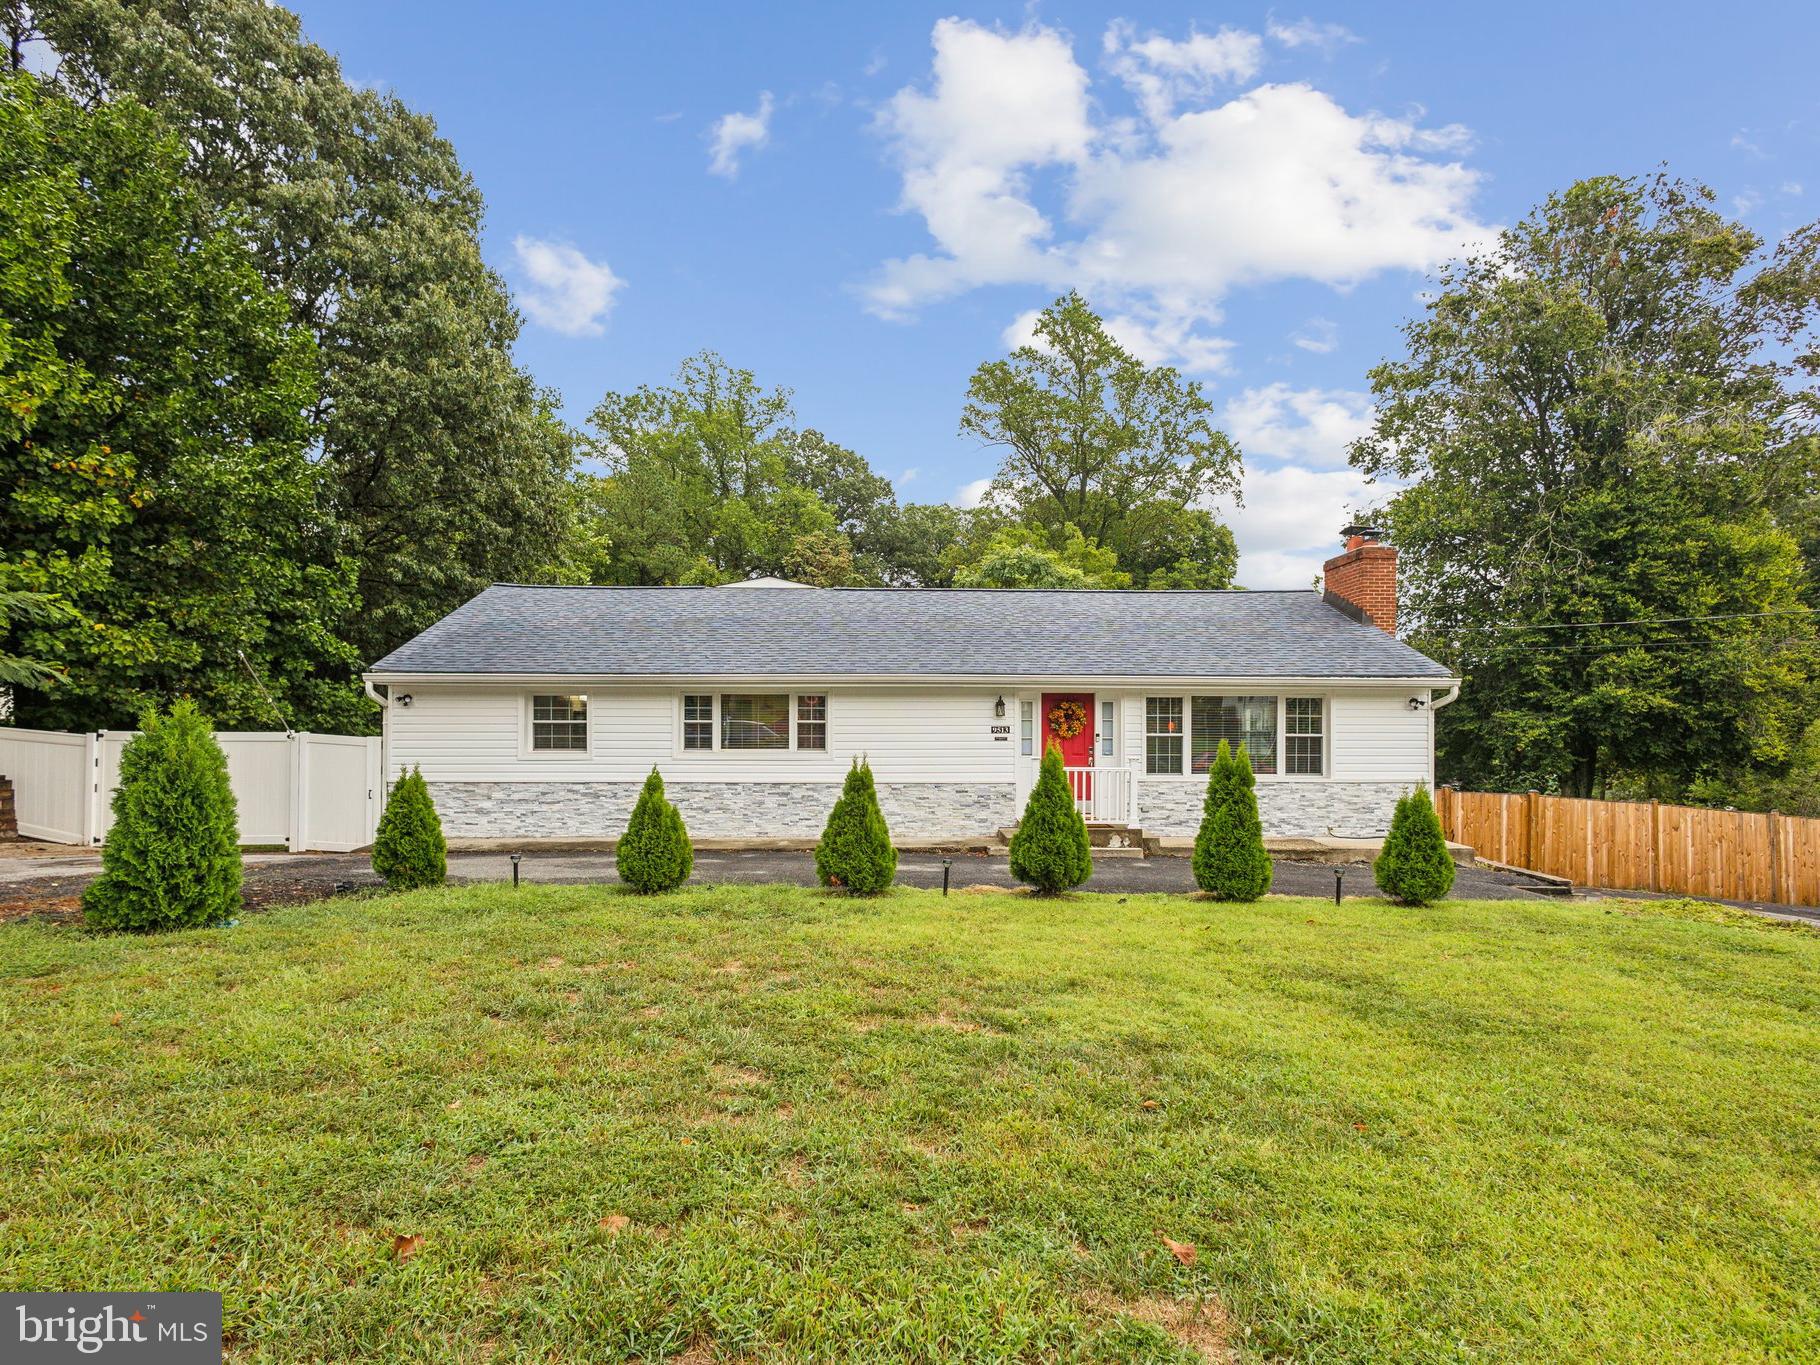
column 835, row 632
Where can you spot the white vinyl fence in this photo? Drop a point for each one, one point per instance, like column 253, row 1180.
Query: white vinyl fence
column 301, row 790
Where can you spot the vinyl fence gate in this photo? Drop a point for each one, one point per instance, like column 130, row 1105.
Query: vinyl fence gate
column 299, row 790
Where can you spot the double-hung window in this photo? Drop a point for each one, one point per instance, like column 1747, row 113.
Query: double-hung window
column 1281, row 735
column 755, row 721
column 1304, row 736
column 698, row 721
column 1163, row 734
column 559, row 725
column 811, row 720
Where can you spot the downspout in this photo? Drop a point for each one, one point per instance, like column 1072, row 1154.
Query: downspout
column 1447, row 698
column 385, row 732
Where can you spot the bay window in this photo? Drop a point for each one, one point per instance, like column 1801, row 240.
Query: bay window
column 760, row 722
column 1282, row 736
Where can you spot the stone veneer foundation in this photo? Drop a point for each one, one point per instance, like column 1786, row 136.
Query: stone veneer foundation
column 1339, row 810
column 716, row 810
column 914, row 810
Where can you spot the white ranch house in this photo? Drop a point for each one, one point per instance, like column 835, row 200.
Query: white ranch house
column 536, row 712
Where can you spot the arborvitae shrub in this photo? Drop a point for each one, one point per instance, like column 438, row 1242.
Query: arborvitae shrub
column 408, row 848
column 1414, row 865
column 654, row 852
column 855, row 850
column 1049, row 849
column 1230, row 861
column 172, row 858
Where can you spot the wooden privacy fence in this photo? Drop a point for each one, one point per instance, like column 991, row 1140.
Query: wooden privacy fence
column 1641, row 845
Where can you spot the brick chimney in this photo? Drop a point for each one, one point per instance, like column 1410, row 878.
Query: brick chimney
column 1362, row 578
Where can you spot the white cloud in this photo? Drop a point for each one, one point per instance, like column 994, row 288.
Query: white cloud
column 735, row 133
column 1309, row 33
column 906, row 477
column 1160, row 72
column 1159, row 338
column 1746, row 203
column 1290, row 523
column 1789, row 187
column 971, row 494
column 1298, row 487
column 1301, row 426
column 1000, row 103
column 1162, row 217
column 567, row 292
column 1320, row 335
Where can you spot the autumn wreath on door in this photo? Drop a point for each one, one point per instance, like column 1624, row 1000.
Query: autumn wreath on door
column 1067, row 719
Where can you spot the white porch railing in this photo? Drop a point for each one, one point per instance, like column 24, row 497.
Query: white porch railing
column 1101, row 794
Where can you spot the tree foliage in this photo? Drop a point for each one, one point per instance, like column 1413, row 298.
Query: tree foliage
column 654, row 853
column 1094, row 438
column 409, row 850
column 702, row 484
column 1414, row 866
column 1049, row 848
column 1230, row 860
column 445, row 463
column 1028, row 557
column 154, row 401
column 855, row 851
column 1604, row 419
column 172, row 857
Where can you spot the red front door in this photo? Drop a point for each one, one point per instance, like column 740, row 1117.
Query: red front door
column 1063, row 711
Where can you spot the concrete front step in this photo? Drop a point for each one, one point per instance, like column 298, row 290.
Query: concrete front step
column 1106, row 839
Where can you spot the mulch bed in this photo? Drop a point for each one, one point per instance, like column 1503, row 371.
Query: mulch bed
column 292, row 881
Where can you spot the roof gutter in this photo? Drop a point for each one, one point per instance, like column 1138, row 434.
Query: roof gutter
column 993, row 680
column 1447, row 698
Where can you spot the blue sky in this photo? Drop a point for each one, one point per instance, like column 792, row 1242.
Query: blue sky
column 860, row 201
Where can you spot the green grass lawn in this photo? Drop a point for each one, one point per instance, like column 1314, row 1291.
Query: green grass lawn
column 919, row 1128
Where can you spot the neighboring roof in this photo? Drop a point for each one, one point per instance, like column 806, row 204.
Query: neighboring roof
column 909, row 632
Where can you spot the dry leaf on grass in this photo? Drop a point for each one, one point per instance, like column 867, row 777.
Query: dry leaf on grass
column 1182, row 1251
column 1149, row 1104
column 404, row 1247
column 615, row 1223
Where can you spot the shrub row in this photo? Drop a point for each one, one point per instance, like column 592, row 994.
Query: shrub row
column 172, row 859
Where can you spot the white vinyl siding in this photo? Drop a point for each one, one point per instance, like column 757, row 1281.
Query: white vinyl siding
column 1375, row 737
column 479, row 733
column 471, row 733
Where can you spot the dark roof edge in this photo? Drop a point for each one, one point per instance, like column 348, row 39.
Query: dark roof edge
column 1093, row 592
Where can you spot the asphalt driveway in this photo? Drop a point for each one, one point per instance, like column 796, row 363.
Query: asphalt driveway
column 52, row 880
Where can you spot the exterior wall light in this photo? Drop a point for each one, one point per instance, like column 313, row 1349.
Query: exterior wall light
column 404, row 699
column 998, row 708
column 1417, row 703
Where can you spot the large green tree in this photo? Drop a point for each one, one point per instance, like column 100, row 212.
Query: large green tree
column 445, row 462
column 154, row 400
column 1027, row 557
column 1094, row 438
column 1605, row 418
column 709, row 481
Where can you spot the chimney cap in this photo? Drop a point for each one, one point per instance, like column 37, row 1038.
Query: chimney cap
column 1363, row 530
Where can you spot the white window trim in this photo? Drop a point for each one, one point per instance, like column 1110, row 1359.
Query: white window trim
column 762, row 755
column 527, row 706
column 1189, row 775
